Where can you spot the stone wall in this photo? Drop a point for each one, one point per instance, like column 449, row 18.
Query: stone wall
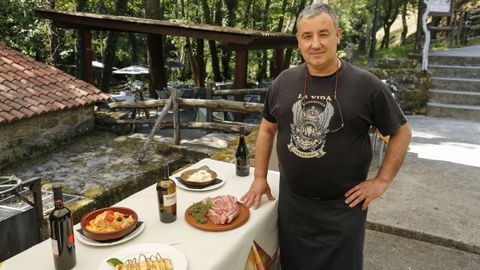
column 34, row 136
column 412, row 83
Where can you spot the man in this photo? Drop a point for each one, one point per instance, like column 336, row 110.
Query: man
column 323, row 110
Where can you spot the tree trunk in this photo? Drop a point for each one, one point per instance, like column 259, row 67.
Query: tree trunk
column 211, row 44
column 247, row 12
column 132, row 38
column 386, row 37
column 403, row 37
column 82, row 6
column 274, row 65
column 56, row 38
column 109, row 60
column 230, row 7
column 218, row 21
column 391, row 14
column 188, row 50
column 262, row 69
column 155, row 50
column 419, row 32
column 289, row 51
column 201, row 63
column 282, row 17
column 111, row 49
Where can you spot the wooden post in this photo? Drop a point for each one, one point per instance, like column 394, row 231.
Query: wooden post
column 37, row 200
column 143, row 152
column 209, row 96
column 87, row 53
column 176, row 117
column 240, row 82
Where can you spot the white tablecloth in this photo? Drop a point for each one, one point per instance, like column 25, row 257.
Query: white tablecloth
column 203, row 250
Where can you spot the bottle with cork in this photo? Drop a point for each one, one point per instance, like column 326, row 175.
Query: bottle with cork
column 242, row 158
column 61, row 232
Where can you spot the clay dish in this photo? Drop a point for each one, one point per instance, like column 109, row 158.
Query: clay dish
column 206, row 178
column 105, row 236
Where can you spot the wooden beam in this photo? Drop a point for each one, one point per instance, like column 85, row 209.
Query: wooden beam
column 240, row 92
column 261, row 44
column 228, row 35
column 222, row 126
column 217, row 104
column 87, row 53
column 221, row 104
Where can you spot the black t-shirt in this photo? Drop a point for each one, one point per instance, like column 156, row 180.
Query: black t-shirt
column 318, row 156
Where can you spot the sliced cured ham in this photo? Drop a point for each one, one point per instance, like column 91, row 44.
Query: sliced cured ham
column 224, row 209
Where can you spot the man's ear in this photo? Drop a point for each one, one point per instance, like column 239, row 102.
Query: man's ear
column 338, row 33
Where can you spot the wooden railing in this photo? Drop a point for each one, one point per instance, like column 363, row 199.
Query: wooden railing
column 175, row 103
column 461, row 27
column 471, row 25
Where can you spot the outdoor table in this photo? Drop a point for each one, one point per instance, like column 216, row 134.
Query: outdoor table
column 204, row 250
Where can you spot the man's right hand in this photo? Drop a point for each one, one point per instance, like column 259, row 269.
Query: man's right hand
column 254, row 195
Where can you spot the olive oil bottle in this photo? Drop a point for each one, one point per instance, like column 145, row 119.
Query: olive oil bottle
column 167, row 197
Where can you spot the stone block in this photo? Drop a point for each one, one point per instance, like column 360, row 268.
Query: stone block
column 412, row 87
column 48, row 121
column 38, row 134
column 394, row 63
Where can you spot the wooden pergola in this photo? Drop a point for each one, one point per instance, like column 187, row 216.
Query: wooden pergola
column 239, row 40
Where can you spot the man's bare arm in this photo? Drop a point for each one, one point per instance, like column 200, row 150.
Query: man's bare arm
column 263, row 150
column 369, row 190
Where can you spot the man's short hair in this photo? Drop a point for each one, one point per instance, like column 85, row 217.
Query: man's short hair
column 316, row 9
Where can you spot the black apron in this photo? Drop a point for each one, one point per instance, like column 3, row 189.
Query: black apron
column 319, row 234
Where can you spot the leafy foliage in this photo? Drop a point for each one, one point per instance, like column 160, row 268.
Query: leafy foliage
column 20, row 29
column 35, row 37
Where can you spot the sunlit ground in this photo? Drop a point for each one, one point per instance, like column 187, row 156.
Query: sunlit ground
column 431, row 145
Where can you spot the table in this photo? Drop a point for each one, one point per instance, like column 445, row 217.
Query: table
column 204, row 250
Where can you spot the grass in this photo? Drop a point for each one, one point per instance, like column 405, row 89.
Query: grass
column 392, row 52
column 402, row 52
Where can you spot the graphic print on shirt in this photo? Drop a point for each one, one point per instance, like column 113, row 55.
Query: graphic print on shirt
column 310, row 126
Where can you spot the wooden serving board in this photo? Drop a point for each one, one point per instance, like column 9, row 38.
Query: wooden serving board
column 212, row 227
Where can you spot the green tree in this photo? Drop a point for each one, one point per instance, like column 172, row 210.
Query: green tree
column 111, row 49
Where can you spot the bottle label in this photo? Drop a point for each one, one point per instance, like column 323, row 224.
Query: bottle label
column 170, row 199
column 55, row 247
column 70, row 240
column 243, row 163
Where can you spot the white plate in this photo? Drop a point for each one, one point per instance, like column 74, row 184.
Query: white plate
column 178, row 259
column 87, row 241
column 212, row 187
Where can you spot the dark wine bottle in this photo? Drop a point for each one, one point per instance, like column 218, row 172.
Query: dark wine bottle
column 241, row 156
column 61, row 232
column 167, row 197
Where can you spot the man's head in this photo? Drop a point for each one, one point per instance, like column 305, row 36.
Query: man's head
column 318, row 36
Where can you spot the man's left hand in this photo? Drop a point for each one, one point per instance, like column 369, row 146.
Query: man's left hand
column 366, row 191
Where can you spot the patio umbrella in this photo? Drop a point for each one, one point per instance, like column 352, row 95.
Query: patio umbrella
column 97, row 64
column 132, row 70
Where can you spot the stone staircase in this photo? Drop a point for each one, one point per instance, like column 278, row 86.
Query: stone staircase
column 455, row 90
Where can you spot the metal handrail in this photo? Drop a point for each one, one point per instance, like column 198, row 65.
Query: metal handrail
column 7, row 188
